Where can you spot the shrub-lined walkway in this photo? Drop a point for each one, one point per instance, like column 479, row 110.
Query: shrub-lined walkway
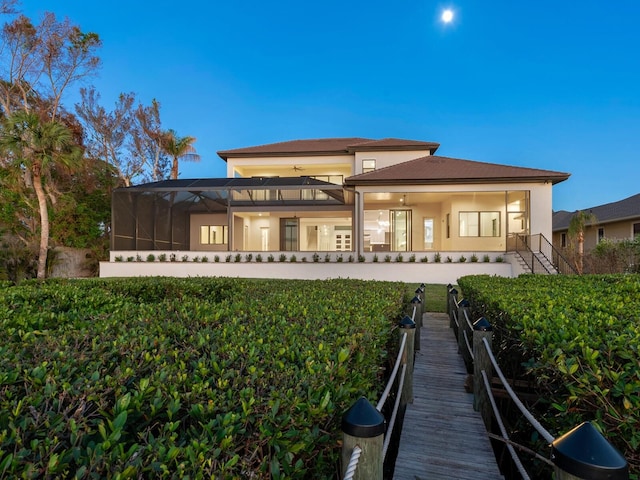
column 442, row 436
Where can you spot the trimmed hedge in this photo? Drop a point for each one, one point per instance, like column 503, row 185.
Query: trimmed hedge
column 197, row 378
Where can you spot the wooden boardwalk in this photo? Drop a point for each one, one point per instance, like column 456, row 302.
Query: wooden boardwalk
column 442, row 436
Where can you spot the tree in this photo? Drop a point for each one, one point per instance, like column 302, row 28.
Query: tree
column 34, row 147
column 39, row 63
column 109, row 134
column 577, row 226
column 179, row 148
column 148, row 140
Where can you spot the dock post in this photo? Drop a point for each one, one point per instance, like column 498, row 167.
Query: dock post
column 462, row 327
column 481, row 361
column 583, row 453
column 417, row 303
column 452, row 306
column 408, row 326
column 363, row 426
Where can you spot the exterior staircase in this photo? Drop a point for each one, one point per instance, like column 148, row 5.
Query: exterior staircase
column 535, row 254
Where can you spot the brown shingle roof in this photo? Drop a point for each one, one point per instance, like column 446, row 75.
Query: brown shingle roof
column 438, row 170
column 626, row 209
column 327, row 146
column 395, row 144
column 318, row 146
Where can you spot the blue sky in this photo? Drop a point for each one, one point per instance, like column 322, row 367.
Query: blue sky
column 546, row 84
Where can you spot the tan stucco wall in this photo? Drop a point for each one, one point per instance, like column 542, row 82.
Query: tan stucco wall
column 197, row 220
column 386, row 159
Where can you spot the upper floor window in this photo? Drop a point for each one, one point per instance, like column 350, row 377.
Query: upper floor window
column 563, row 240
column 337, row 179
column 600, row 234
column 368, row 165
column 213, row 234
column 479, row 224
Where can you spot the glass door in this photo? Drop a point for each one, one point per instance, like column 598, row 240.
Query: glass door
column 400, row 230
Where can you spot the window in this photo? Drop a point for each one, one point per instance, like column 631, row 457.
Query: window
column 428, row 224
column 479, row 224
column 636, row 229
column 448, row 225
column 213, row 234
column 600, row 234
column 563, row 240
column 368, row 165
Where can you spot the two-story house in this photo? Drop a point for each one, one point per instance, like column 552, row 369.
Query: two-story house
column 355, row 197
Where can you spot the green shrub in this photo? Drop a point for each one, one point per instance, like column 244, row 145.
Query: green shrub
column 151, row 257
column 162, row 377
column 577, row 338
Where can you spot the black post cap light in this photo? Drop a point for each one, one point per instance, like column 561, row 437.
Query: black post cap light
column 406, row 322
column 482, row 325
column 584, row 453
column 363, row 420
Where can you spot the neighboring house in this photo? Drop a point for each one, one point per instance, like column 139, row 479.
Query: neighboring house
column 345, row 196
column 614, row 221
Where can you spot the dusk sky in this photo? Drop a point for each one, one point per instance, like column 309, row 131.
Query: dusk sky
column 545, row 84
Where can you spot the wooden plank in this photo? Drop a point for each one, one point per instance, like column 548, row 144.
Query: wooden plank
column 442, row 436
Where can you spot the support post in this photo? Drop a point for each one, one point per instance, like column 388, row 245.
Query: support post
column 462, row 327
column 408, row 326
column 583, row 453
column 417, row 303
column 363, row 426
column 452, row 306
column 481, row 361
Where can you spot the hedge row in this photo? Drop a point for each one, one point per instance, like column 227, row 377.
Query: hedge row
column 580, row 337
column 186, row 378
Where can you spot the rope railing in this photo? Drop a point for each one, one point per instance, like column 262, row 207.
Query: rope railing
column 526, row 413
column 364, row 427
column 394, row 373
column 503, row 431
column 394, row 413
column 353, row 463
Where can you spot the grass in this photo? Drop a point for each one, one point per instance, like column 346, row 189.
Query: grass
column 435, row 296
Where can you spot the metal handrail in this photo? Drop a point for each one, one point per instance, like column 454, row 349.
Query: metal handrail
column 544, row 248
column 528, row 255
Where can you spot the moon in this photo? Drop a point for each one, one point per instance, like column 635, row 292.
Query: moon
column 447, row 15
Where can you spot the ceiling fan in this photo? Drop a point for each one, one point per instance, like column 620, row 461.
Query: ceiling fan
column 296, row 168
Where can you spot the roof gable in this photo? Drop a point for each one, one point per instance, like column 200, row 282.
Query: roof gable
column 434, row 169
column 627, row 208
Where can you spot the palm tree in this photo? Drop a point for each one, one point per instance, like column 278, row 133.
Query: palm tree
column 577, row 226
column 179, row 148
column 33, row 147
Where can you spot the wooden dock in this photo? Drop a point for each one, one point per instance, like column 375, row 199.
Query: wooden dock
column 442, row 436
